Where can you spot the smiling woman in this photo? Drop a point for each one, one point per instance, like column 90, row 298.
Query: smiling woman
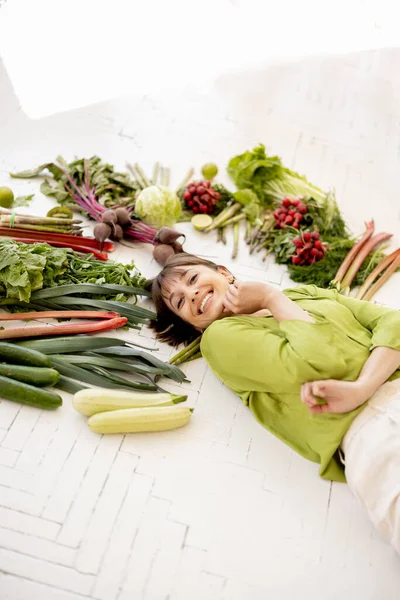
column 188, row 294
column 313, row 370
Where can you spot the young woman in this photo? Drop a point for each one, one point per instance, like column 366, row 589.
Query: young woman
column 317, row 369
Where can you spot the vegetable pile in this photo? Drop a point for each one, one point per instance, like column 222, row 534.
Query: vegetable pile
column 104, row 362
column 26, row 268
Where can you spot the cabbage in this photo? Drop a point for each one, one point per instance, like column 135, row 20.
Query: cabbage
column 158, row 206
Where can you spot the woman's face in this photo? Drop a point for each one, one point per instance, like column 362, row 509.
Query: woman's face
column 196, row 293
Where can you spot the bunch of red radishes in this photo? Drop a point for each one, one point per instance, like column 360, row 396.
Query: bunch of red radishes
column 289, row 212
column 200, row 197
column 309, row 248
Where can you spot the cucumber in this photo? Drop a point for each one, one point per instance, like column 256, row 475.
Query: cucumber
column 18, row 355
column 33, row 375
column 28, row 394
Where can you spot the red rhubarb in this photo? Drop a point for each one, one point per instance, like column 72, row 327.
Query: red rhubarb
column 63, row 329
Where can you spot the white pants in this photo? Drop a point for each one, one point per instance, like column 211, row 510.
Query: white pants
column 372, row 460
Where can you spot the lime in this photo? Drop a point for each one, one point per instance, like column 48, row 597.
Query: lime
column 201, row 222
column 6, row 197
column 209, row 171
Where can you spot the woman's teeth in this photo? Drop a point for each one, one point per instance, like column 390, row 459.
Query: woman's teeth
column 204, row 302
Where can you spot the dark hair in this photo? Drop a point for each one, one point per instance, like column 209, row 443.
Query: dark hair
column 169, row 327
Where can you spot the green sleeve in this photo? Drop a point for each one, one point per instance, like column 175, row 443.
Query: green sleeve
column 382, row 322
column 247, row 356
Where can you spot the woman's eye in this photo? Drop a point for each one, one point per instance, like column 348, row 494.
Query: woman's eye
column 180, row 303
column 192, row 279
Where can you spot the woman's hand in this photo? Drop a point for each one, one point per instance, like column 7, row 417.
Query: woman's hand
column 246, row 297
column 339, row 396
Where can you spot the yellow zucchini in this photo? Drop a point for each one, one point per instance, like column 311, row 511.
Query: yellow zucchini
column 95, row 400
column 133, row 420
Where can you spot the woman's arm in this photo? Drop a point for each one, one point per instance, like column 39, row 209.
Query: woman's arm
column 344, row 396
column 245, row 297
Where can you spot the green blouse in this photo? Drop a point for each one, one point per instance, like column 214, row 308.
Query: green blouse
column 266, row 362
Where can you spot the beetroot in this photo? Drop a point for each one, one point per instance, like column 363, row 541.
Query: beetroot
column 162, row 252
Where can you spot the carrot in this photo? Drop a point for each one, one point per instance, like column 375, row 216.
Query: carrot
column 59, row 314
column 64, row 329
column 385, row 262
column 353, row 252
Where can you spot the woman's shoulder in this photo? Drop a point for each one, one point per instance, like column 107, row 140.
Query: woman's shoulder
column 229, row 326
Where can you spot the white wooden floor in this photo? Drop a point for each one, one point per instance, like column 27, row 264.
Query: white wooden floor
column 219, row 510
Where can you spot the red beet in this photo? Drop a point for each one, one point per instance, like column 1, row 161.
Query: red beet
column 162, row 252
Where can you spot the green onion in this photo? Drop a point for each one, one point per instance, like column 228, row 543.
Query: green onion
column 69, row 385
column 88, row 288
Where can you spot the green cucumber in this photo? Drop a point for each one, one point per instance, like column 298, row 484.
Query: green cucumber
column 28, row 394
column 33, row 375
column 23, row 356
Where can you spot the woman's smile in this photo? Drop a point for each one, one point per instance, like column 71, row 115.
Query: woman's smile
column 205, row 302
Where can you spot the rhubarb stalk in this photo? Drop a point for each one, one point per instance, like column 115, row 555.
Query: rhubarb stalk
column 76, row 247
column 381, row 266
column 353, row 252
column 59, row 314
column 40, row 236
column 395, row 264
column 64, row 329
column 361, row 256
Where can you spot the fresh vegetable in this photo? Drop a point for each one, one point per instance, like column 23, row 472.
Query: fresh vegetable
column 65, row 345
column 17, row 355
column 184, row 354
column 92, row 290
column 61, row 238
column 69, row 385
column 157, row 205
column 167, row 235
column 111, row 224
column 37, row 376
column 110, row 187
column 6, row 197
column 65, row 328
column 26, row 268
column 46, row 224
column 322, row 273
column 235, row 239
column 391, row 263
column 28, row 394
column 79, row 358
column 309, row 248
column 91, row 186
column 290, row 212
column 209, row 171
column 162, row 253
column 92, row 401
column 201, row 222
column 76, row 247
column 200, row 197
column 59, row 314
column 370, row 226
column 223, row 217
column 130, row 420
column 361, row 255
column 269, row 179
column 387, row 261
